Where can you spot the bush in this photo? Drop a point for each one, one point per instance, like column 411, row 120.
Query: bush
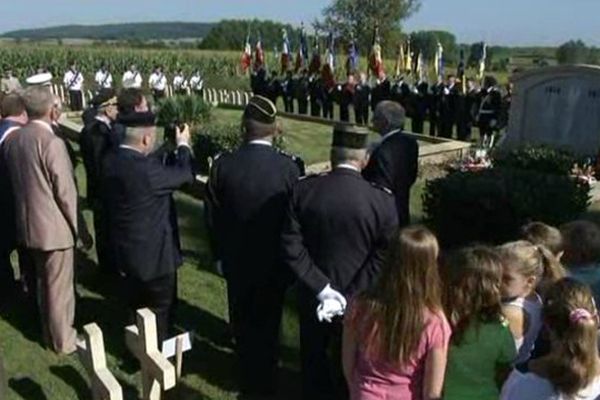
column 541, row 159
column 490, row 206
column 192, row 110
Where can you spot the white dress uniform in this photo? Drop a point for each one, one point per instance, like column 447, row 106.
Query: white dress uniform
column 158, row 84
column 179, row 83
column 73, row 82
column 132, row 80
column 197, row 83
column 104, row 79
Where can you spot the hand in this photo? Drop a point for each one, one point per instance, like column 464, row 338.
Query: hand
column 182, row 136
column 86, row 240
column 329, row 293
column 329, row 309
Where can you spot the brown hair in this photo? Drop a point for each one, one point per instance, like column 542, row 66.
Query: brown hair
column 12, row 105
column 533, row 260
column 582, row 242
column 409, row 285
column 571, row 316
column 542, row 234
column 472, row 279
column 128, row 99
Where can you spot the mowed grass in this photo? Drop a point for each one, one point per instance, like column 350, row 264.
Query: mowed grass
column 35, row 373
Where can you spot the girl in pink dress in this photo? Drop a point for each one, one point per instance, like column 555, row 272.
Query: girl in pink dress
column 396, row 335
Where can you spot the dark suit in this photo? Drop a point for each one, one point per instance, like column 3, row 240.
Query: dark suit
column 137, row 198
column 394, row 164
column 248, row 194
column 362, row 92
column 337, row 229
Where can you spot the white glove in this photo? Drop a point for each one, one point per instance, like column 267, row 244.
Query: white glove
column 332, row 304
column 219, row 267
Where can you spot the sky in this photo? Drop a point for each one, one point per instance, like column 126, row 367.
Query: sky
column 500, row 22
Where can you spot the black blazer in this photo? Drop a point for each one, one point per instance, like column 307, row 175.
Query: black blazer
column 248, row 191
column 337, row 229
column 394, row 165
column 137, row 197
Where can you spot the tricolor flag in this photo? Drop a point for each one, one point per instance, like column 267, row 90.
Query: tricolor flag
column 285, row 52
column 461, row 70
column 439, row 60
column 259, row 54
column 375, row 60
column 420, row 68
column 315, row 62
column 482, row 60
column 302, row 53
column 409, row 61
column 399, row 60
column 328, row 72
column 246, row 59
column 353, row 58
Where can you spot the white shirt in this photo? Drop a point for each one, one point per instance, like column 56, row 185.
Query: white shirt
column 196, row 82
column 157, row 81
column 179, row 82
column 132, row 80
column 73, row 80
column 104, row 79
column 348, row 166
column 261, row 142
column 533, row 387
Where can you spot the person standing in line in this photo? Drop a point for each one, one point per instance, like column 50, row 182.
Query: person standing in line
column 103, row 78
column 132, row 79
column 46, row 215
column 180, row 84
column 197, row 84
column 73, row 82
column 362, row 94
column 9, row 83
column 158, row 84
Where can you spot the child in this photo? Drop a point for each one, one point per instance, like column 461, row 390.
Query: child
column 396, row 335
column 582, row 253
column 482, row 348
column 572, row 369
column 526, row 267
column 548, row 236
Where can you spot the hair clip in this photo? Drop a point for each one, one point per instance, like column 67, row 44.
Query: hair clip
column 580, row 314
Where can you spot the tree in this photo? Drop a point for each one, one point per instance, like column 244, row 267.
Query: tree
column 573, row 52
column 425, row 43
column 357, row 18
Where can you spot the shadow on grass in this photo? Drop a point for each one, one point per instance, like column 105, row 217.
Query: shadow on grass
column 73, row 378
column 27, row 389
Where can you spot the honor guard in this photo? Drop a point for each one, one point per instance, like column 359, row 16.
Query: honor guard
column 362, row 94
column 180, row 84
column 103, row 78
column 248, row 191
column 346, row 93
column 419, row 106
column 9, row 83
column 132, row 79
column 317, row 92
column 448, row 107
column 73, row 82
column 489, row 107
column 301, row 92
column 158, row 83
column 288, row 92
column 469, row 110
column 197, row 83
column 337, row 228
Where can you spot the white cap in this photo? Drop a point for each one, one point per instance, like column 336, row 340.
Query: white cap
column 43, row 79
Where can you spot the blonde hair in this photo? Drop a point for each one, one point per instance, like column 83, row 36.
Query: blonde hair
column 571, row 315
column 541, row 234
column 532, row 260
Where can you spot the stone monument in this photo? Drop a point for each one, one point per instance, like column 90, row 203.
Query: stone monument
column 556, row 106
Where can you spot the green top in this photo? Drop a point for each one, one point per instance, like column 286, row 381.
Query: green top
column 473, row 364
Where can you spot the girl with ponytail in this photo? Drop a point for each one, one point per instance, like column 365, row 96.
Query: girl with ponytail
column 572, row 368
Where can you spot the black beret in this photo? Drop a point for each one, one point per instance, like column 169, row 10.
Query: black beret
column 137, row 119
column 261, row 109
column 350, row 136
column 103, row 96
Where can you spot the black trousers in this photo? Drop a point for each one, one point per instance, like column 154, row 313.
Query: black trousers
column 288, row 104
column 321, row 354
column 199, row 93
column 446, row 127
column 361, row 114
column 344, row 113
column 417, row 124
column 328, row 109
column 464, row 130
column 315, row 109
column 105, row 260
column 159, row 295
column 255, row 317
column 303, row 106
column 157, row 95
column 76, row 100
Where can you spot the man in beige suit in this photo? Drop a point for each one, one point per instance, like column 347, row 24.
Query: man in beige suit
column 46, row 214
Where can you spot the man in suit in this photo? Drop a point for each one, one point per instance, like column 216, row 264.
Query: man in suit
column 137, row 193
column 247, row 197
column 46, row 214
column 14, row 116
column 336, row 231
column 361, row 99
column 394, row 162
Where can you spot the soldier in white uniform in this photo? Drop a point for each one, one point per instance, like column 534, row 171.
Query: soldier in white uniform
column 158, row 83
column 132, row 79
column 180, row 84
column 197, row 83
column 103, row 78
column 73, row 82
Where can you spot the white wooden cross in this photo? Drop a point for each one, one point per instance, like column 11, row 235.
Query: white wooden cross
column 158, row 374
column 92, row 356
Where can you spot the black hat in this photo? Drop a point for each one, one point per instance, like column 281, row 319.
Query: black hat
column 261, row 109
column 350, row 136
column 103, row 96
column 137, row 119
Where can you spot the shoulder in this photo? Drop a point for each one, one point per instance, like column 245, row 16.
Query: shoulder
column 385, row 192
column 292, row 159
column 529, row 385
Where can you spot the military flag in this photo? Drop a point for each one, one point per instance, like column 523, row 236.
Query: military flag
column 482, row 60
column 420, row 70
column 353, row 58
column 259, row 54
column 285, row 51
column 246, row 59
column 302, row 53
column 409, row 60
column 439, row 61
column 328, row 72
column 315, row 62
column 461, row 71
column 375, row 59
column 399, row 60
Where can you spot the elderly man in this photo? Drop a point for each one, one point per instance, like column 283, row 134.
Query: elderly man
column 46, row 214
column 248, row 192
column 394, row 161
column 337, row 229
column 136, row 192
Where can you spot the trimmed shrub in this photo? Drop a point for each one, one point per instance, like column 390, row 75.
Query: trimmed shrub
column 192, row 110
column 542, row 159
column 490, row 206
